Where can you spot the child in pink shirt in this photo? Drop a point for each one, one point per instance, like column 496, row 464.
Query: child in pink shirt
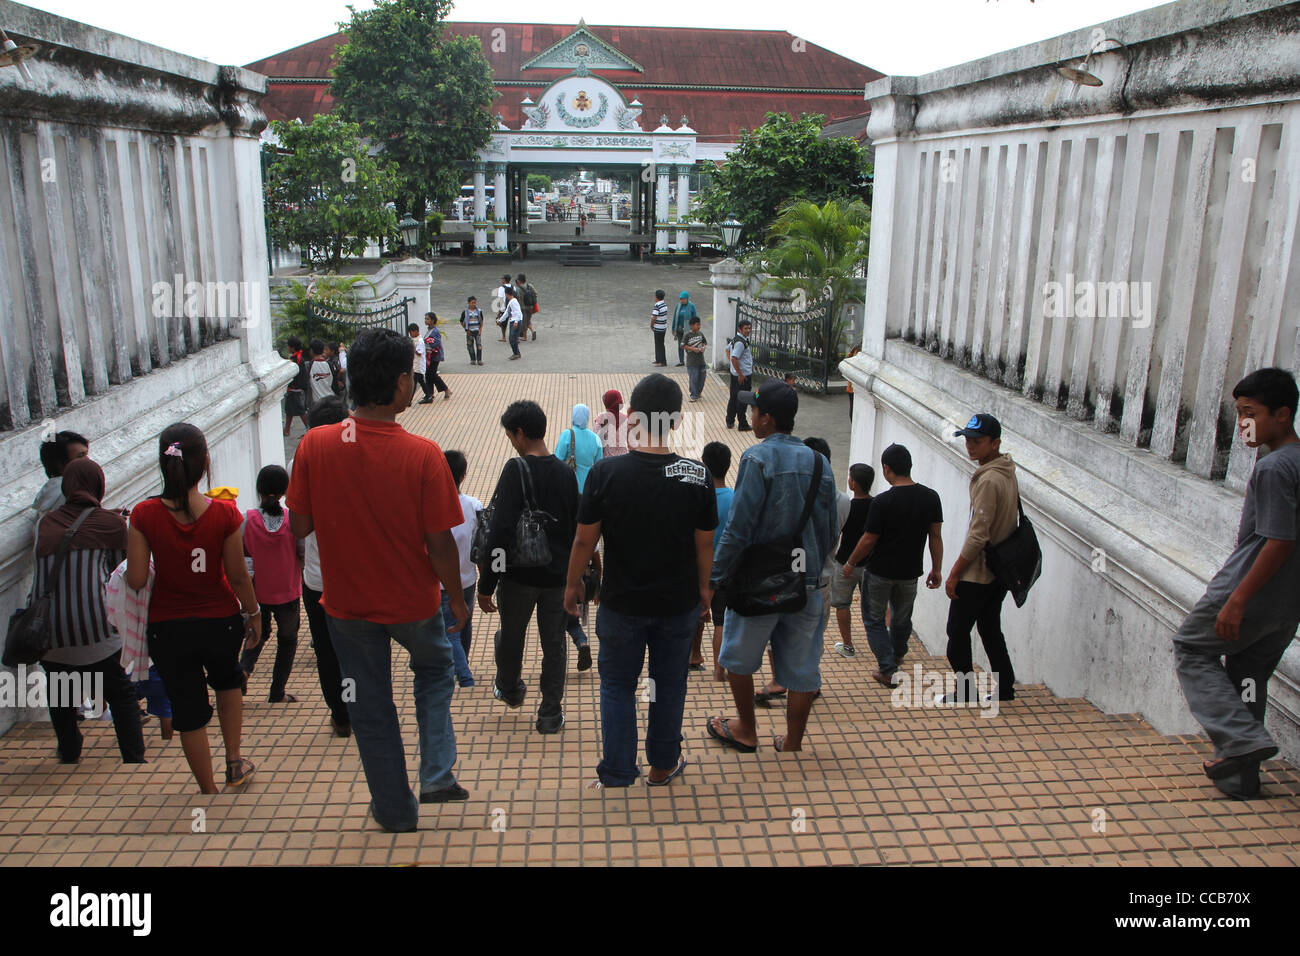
column 277, row 578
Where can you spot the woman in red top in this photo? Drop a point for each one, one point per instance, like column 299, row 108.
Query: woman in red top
column 277, row 579
column 195, row 628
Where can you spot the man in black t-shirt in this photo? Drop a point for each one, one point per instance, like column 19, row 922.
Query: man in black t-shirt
column 553, row 489
column 657, row 512
column 842, row 585
column 899, row 523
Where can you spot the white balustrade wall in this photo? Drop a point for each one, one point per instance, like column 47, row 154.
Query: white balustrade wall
column 1098, row 266
column 133, row 268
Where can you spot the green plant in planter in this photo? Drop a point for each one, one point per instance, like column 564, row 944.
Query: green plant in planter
column 290, row 311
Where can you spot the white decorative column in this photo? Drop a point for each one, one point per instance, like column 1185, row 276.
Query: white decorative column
column 727, row 277
column 414, row 280
column 480, row 209
column 661, row 211
column 501, row 200
column 683, row 243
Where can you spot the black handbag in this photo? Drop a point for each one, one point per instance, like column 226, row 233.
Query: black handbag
column 765, row 581
column 1017, row 561
column 28, row 637
column 530, row 547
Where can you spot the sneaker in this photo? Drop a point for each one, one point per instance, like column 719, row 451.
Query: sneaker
column 427, row 400
column 584, row 658
column 513, row 702
column 742, row 427
column 550, row 725
column 845, row 650
column 238, row 773
column 513, row 357
column 445, row 795
column 881, row 677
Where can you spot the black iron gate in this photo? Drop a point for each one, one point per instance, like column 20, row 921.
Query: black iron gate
column 394, row 315
column 785, row 338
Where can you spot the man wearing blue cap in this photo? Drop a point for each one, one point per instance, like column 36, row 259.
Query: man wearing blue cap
column 975, row 593
column 682, row 322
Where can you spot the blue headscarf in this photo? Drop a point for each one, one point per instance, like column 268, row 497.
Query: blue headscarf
column 581, row 416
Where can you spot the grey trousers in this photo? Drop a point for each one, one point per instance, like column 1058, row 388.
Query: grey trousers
column 1226, row 682
column 516, row 603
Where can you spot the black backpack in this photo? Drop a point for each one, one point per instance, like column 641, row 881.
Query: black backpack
column 302, row 381
column 527, row 298
column 1017, row 561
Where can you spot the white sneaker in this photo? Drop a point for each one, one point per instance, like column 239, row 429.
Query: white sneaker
column 845, row 650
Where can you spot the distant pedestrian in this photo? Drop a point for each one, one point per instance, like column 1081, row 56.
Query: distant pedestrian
column 540, row 482
column 611, row 425
column 514, row 320
column 974, row 591
column 579, row 447
column 682, row 323
column 696, row 367
column 368, row 487
column 295, row 396
column 844, row 583
column 418, row 363
column 528, row 305
column 471, row 320
column 1230, row 644
column 84, row 657
column 322, row 375
column 202, row 607
column 327, row 411
column 717, row 459
column 777, row 483
column 433, row 355
column 277, row 579
column 656, row 512
column 899, row 523
column 742, row 368
column 659, row 326
column 464, row 535
column 499, row 304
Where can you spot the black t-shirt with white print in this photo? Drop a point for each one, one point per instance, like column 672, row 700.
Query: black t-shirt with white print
column 649, row 508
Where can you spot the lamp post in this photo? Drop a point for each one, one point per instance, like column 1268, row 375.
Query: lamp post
column 731, row 234
column 410, row 229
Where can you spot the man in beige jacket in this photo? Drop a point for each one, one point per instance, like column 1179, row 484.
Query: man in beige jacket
column 975, row 594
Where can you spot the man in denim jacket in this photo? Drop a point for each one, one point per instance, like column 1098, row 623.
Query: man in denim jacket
column 771, row 484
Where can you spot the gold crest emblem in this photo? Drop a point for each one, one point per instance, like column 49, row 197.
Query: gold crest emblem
column 580, row 102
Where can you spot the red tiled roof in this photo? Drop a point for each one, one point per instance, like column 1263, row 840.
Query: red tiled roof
column 750, row 72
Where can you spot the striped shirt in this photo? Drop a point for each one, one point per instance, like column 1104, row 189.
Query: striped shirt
column 79, row 629
column 660, row 315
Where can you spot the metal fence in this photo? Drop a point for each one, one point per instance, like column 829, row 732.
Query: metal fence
column 784, row 340
column 394, row 316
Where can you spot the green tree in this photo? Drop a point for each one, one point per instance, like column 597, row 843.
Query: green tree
column 814, row 251
column 290, row 310
column 539, row 182
column 785, row 159
column 324, row 191
column 421, row 94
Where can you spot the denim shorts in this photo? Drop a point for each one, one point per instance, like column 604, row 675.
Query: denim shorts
column 796, row 641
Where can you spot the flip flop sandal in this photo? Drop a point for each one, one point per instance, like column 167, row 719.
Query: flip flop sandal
column 764, row 698
column 778, row 741
column 681, row 765
column 726, row 737
column 1231, row 766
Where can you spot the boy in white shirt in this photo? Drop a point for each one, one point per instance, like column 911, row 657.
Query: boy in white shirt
column 417, row 365
column 464, row 535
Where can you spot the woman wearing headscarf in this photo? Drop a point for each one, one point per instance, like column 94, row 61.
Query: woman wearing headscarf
column 611, row 425
column 84, row 657
column 578, row 447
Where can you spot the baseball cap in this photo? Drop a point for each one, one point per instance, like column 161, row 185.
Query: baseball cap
column 980, row 426
column 774, row 398
column 684, row 295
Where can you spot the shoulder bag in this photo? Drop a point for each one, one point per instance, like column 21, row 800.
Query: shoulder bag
column 766, row 580
column 28, row 637
column 571, row 459
column 1017, row 561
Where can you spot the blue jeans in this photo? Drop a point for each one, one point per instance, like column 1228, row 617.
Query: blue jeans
column 514, row 336
column 459, row 648
column 365, row 660
column 576, row 634
column 889, row 644
column 624, row 640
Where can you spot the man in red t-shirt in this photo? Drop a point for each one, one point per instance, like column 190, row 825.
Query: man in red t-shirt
column 382, row 503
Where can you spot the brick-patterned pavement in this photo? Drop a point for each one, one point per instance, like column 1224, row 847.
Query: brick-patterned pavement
column 1045, row 781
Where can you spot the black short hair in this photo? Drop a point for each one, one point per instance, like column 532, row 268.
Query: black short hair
column 317, row 347
column 898, row 460
column 520, row 278
column 659, row 293
column 717, row 458
column 656, row 394
column 54, row 454
column 326, row 411
column 525, row 414
column 510, row 291
column 505, row 279
column 695, row 319
column 1273, row 388
column 472, row 298
column 862, row 475
column 378, row 358
column 458, row 464
column 412, row 327
column 817, row 444
column 334, row 347
column 294, row 343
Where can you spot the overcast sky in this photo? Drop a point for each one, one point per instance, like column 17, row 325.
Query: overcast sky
column 892, row 36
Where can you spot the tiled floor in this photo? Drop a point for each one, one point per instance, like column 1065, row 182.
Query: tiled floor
column 1045, row 781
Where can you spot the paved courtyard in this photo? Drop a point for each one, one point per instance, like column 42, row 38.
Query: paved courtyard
column 1047, row 781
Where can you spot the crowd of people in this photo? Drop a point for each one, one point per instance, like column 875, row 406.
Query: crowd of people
column 658, row 542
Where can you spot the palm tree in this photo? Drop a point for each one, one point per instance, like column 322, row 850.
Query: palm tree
column 814, row 252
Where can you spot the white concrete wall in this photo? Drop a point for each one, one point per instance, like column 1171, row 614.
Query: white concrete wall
column 126, row 169
column 997, row 178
